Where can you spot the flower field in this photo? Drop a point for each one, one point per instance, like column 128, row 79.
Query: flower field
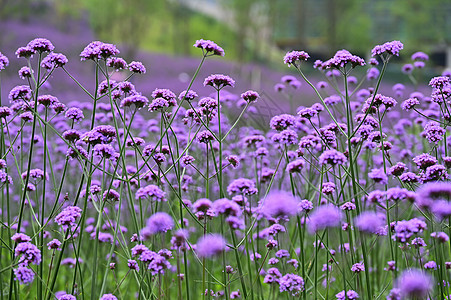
column 182, row 195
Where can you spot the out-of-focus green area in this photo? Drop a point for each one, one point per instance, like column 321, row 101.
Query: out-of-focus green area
column 253, row 30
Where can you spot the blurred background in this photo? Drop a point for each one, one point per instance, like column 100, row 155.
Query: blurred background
column 255, row 35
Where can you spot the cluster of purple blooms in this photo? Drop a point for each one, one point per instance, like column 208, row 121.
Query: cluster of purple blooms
column 184, row 190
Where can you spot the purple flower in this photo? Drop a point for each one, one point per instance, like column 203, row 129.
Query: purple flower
column 105, row 151
column 210, row 245
column 372, row 73
column 391, row 48
column 419, row 56
column 158, row 104
column 5, row 111
column 75, row 114
column 424, row 160
column 414, row 283
column 404, row 230
column 160, row 222
column 20, row 92
column 292, row 283
column 250, row 96
column 242, row 186
column 219, row 81
column 407, row 68
column 66, row 297
column 369, row 222
column 296, row 166
column 440, row 236
column 28, row 253
column 395, row 294
column 341, row 58
column 205, row 137
column 282, row 122
column 133, row 265
column 152, row 192
column 430, row 265
column 328, row 188
column 226, row 207
column 378, row 175
column 323, row 217
column 68, row 217
column 358, row 267
column 54, row 60
column 285, row 137
column 209, row 46
column 116, row 63
column 138, row 100
column 108, row 297
column 4, row 62
column 434, row 132
column 440, row 82
column 291, row 57
column 332, row 157
column 54, row 244
column 279, row 203
column 25, row 52
column 40, row 45
column 137, row 67
column 98, row 50
column 307, row 112
column 20, row 238
column 24, row 275
column 350, row 294
column 188, row 95
column 348, row 206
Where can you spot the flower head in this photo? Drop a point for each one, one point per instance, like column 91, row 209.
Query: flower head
column 414, row 283
column 324, row 217
column 210, row 245
column 160, row 222
column 291, row 57
column 391, row 48
column 4, row 62
column 219, row 81
column 279, row 203
column 209, row 47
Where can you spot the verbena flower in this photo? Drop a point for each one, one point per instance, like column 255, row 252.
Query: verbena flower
column 219, row 81
column 108, row 297
column 391, row 48
column 27, row 253
column 210, row 245
column 209, row 47
column 40, row 45
column 292, row 283
column 282, row 122
column 98, row 50
column 326, row 216
column 291, row 57
column 343, row 57
column 350, row 294
column 137, row 67
column 250, row 96
column 20, row 92
column 369, row 222
column 279, row 204
column 24, row 275
column 414, row 283
column 332, row 157
column 54, row 60
column 4, row 62
column 159, row 222
column 68, row 217
column 152, row 192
